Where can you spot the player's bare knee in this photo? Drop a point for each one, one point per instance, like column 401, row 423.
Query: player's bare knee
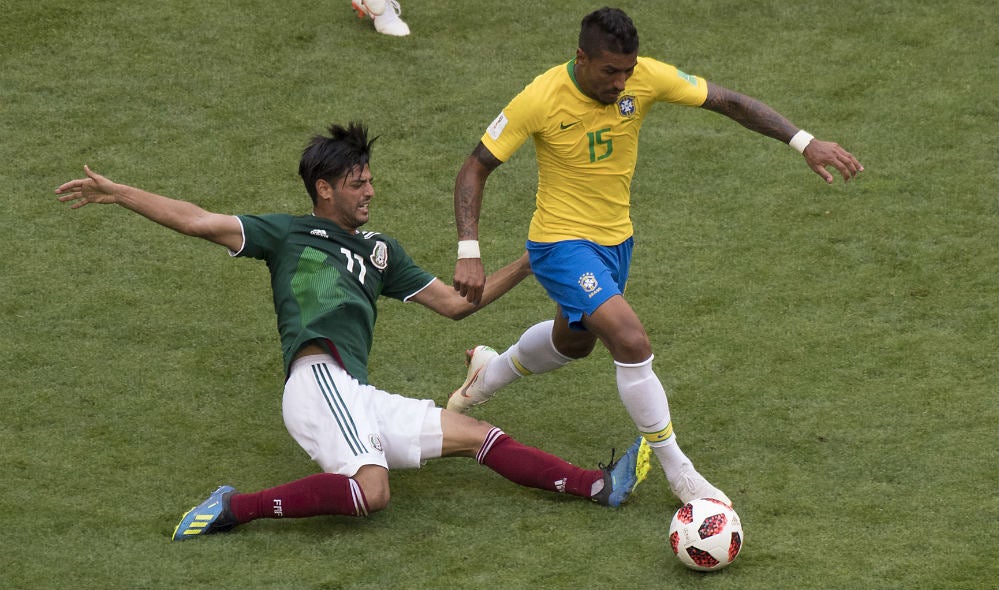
column 374, row 484
column 631, row 346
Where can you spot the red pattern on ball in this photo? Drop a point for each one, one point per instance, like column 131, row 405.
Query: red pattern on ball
column 734, row 547
column 702, row 558
column 674, row 542
column 686, row 514
column 712, row 525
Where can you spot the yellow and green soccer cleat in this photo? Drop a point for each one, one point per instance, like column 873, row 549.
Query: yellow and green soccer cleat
column 622, row 476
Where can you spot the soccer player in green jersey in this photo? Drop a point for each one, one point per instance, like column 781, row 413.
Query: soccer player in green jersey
column 584, row 117
column 326, row 276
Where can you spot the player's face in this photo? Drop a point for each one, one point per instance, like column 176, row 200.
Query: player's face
column 602, row 76
column 345, row 201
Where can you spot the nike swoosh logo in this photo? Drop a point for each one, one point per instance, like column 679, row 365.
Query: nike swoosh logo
column 563, row 126
column 475, row 377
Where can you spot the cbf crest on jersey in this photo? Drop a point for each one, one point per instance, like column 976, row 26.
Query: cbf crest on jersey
column 627, row 106
column 379, row 255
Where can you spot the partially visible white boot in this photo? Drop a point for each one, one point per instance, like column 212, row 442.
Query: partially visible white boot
column 689, row 485
column 471, row 393
column 385, row 13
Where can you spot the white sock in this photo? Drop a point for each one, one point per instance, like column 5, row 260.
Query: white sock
column 533, row 353
column 644, row 397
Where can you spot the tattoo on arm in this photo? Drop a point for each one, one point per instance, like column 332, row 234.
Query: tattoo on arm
column 468, row 190
column 466, row 211
column 749, row 112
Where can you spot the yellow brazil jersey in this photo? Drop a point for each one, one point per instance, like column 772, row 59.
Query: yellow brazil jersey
column 586, row 150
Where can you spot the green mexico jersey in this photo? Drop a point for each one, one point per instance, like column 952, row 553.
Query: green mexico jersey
column 327, row 280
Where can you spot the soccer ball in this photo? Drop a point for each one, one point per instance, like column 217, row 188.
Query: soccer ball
column 705, row 534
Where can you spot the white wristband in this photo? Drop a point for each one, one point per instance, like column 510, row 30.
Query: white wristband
column 468, row 249
column 801, row 140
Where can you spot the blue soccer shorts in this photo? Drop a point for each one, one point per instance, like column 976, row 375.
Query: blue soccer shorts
column 580, row 275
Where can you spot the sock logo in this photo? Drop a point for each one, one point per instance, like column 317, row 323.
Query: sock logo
column 560, row 485
column 660, row 436
column 278, row 508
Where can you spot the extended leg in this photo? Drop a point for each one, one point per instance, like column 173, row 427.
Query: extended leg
column 644, row 396
column 488, row 372
column 609, row 485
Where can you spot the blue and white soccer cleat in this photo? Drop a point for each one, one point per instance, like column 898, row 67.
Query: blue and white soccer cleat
column 622, row 476
column 211, row 516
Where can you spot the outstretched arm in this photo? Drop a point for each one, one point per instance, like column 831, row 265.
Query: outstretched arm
column 469, row 274
column 180, row 216
column 447, row 302
column 761, row 118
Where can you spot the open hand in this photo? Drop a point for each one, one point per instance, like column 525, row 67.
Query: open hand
column 83, row 191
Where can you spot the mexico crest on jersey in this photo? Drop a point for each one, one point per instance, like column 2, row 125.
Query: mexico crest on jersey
column 626, row 106
column 379, row 255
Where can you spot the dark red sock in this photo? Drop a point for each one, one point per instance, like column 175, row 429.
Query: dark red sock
column 322, row 493
column 534, row 468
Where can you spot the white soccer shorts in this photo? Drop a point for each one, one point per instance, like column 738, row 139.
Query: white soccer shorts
column 344, row 425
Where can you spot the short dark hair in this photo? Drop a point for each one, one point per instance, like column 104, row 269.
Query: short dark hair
column 330, row 157
column 608, row 29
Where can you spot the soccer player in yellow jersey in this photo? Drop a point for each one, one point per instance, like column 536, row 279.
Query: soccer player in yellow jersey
column 584, row 118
